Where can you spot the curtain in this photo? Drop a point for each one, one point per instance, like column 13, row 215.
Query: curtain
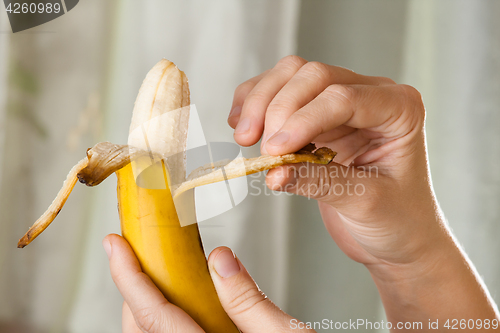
column 454, row 60
column 79, row 78
column 72, row 82
column 367, row 37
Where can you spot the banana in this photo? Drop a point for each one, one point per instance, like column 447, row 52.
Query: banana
column 171, row 255
column 151, row 173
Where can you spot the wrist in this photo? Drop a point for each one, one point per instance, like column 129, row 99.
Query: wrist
column 428, row 257
column 440, row 284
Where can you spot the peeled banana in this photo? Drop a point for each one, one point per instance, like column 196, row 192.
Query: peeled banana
column 171, row 255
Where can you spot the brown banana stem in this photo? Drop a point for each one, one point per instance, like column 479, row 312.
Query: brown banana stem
column 55, row 207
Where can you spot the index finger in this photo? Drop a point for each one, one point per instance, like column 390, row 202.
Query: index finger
column 240, row 93
column 388, row 111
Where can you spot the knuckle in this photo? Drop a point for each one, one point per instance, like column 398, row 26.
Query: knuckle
column 255, row 97
column 337, row 93
column 292, row 61
column 280, row 103
column 316, row 69
column 312, row 123
column 308, row 120
column 413, row 99
column 385, row 80
column 153, row 320
column 411, row 92
column 146, row 319
column 247, row 298
column 121, row 278
column 244, row 88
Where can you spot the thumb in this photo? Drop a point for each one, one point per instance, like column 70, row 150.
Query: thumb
column 151, row 311
column 241, row 298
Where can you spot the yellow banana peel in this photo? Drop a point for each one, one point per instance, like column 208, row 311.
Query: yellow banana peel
column 171, row 255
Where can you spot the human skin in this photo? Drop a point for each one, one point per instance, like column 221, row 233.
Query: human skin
column 394, row 226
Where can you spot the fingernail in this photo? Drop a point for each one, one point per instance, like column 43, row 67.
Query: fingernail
column 225, row 264
column 279, row 139
column 236, row 111
column 107, row 247
column 243, row 126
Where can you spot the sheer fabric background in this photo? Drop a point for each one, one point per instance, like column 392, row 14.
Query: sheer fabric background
column 72, row 82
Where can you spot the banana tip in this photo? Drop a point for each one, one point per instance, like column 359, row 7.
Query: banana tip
column 23, row 242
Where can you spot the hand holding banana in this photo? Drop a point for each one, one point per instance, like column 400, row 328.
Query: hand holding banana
column 145, row 309
column 395, row 228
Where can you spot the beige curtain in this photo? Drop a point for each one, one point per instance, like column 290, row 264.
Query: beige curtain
column 454, row 60
column 72, row 82
column 76, row 80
